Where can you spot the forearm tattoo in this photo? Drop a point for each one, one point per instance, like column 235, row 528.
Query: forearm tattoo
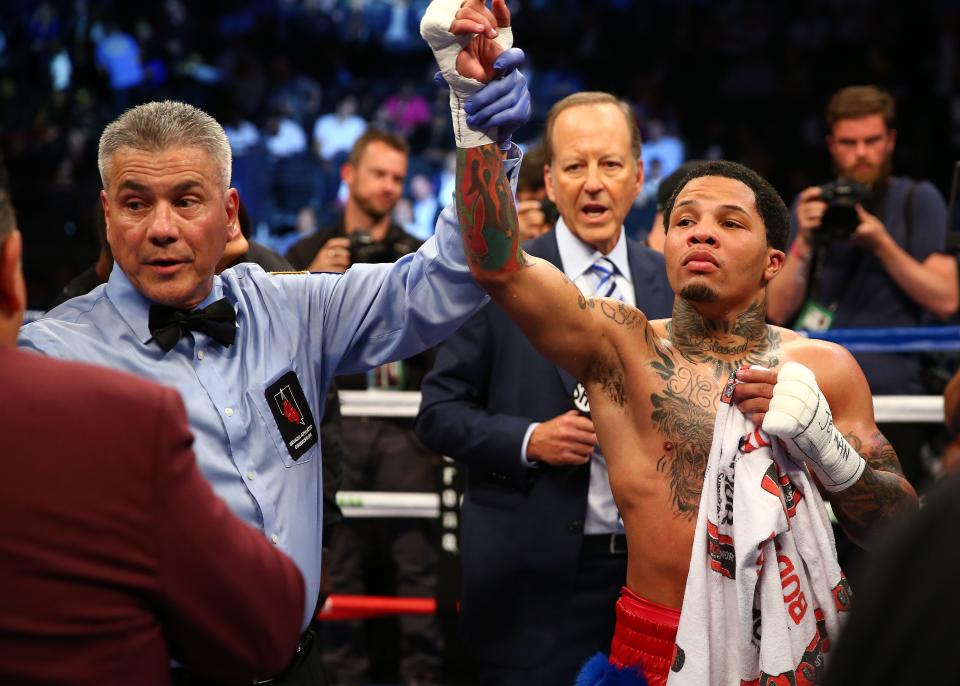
column 485, row 207
column 880, row 495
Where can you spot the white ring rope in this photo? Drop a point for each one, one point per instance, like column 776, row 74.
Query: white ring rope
column 887, row 408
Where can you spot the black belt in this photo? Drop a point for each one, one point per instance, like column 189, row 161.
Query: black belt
column 604, row 544
column 184, row 677
column 299, row 656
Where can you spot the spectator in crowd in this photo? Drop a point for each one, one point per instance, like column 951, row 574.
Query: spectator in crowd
column 284, row 136
column 867, row 250
column 381, row 454
column 118, row 555
column 118, row 55
column 334, row 134
column 374, row 175
column 424, row 206
column 542, row 543
column 406, row 111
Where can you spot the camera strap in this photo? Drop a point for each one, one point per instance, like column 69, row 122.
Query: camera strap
column 908, row 218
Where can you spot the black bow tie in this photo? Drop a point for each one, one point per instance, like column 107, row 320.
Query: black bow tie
column 217, row 320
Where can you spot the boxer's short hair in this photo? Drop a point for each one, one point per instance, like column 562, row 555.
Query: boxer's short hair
column 770, row 206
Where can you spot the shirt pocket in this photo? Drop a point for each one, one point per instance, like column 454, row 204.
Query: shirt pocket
column 289, row 419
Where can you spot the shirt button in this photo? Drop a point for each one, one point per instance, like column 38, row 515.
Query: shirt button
column 228, row 411
column 275, row 538
column 200, row 355
column 250, row 476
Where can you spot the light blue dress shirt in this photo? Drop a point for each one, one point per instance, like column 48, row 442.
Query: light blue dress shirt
column 316, row 325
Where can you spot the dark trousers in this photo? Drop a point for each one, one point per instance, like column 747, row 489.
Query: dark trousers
column 384, row 455
column 305, row 669
column 586, row 627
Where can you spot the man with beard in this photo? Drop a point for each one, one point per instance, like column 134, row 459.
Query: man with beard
column 887, row 269
column 374, row 174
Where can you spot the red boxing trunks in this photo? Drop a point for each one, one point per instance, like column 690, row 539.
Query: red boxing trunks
column 645, row 636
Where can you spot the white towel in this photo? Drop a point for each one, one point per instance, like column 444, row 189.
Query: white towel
column 765, row 594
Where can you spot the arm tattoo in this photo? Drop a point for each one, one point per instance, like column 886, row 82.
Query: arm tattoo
column 621, row 313
column 880, row 495
column 488, row 217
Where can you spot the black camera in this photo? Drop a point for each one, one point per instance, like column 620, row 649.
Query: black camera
column 364, row 249
column 840, row 219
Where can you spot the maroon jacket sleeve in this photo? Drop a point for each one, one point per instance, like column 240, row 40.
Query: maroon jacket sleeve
column 231, row 602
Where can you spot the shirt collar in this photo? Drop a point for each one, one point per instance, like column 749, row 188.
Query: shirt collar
column 134, row 307
column 577, row 257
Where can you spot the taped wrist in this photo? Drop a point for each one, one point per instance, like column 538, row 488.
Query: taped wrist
column 446, row 47
column 800, row 415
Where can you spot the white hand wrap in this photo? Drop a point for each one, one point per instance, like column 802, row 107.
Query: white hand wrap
column 800, row 416
column 435, row 29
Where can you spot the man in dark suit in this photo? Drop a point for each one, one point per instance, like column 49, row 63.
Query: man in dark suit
column 543, row 551
column 117, row 555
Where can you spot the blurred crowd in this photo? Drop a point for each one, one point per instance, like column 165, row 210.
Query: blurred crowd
column 295, row 82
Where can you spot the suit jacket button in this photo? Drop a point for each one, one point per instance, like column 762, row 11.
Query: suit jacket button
column 575, row 527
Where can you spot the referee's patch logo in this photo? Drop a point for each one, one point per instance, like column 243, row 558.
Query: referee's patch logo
column 292, row 415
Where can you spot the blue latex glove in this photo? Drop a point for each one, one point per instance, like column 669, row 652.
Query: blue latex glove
column 503, row 103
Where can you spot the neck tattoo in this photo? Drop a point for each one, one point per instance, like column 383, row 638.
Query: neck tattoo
column 724, row 345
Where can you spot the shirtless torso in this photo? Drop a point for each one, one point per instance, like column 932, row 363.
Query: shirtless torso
column 655, row 408
column 654, row 386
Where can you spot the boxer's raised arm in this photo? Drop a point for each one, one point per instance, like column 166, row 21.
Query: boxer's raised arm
column 472, row 44
column 562, row 324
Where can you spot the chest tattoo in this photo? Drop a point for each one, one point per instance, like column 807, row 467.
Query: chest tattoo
column 683, row 413
column 692, row 368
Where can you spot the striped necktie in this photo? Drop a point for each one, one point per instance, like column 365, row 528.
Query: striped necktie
column 605, row 272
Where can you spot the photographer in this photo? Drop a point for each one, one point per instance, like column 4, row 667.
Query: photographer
column 867, row 251
column 380, row 454
column 374, row 174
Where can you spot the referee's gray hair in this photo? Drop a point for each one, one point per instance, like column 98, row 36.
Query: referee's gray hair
column 159, row 126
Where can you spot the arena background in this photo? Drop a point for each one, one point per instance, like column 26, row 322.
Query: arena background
column 740, row 79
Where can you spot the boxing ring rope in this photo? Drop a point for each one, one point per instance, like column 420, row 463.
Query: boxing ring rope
column 342, row 607
column 887, row 408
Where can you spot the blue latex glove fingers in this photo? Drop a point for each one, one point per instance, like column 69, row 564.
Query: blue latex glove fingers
column 509, row 60
column 504, row 102
column 509, row 112
column 440, row 81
